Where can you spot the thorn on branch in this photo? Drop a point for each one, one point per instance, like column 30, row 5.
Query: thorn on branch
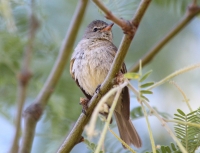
column 35, row 111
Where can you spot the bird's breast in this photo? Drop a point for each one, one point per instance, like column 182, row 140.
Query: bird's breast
column 91, row 66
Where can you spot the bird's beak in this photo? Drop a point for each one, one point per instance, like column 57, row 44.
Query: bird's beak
column 108, row 27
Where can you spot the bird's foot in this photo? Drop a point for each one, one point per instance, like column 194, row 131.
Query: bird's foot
column 84, row 102
column 119, row 78
column 97, row 90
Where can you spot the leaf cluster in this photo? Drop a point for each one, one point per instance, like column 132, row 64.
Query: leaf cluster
column 189, row 136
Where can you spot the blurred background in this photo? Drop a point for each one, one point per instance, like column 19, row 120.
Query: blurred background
column 63, row 108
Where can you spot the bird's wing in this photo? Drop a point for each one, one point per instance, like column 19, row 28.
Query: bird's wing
column 125, row 97
column 125, row 108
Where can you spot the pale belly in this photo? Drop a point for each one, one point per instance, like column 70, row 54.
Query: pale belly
column 91, row 69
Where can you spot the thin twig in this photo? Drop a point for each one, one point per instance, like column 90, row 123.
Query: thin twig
column 118, row 138
column 109, row 14
column 75, row 134
column 192, row 11
column 94, row 117
column 166, row 127
column 33, row 113
column 194, row 2
column 149, row 129
column 183, row 70
column 159, row 118
column 105, row 129
column 183, row 94
column 24, row 77
column 126, row 27
column 183, row 123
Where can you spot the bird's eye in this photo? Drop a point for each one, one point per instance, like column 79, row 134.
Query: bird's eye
column 95, row 29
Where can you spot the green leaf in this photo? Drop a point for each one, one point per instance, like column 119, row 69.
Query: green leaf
column 137, row 112
column 173, row 147
column 131, row 75
column 146, row 92
column 181, row 112
column 163, row 149
column 145, row 76
column 90, row 145
column 167, row 148
column 146, row 84
column 188, row 135
column 145, row 98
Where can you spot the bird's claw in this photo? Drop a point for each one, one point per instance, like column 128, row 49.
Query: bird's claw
column 119, row 78
column 84, row 103
column 98, row 89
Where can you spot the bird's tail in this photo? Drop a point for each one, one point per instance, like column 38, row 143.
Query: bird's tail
column 127, row 131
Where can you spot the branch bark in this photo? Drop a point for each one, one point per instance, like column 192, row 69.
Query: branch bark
column 192, row 11
column 74, row 136
column 33, row 113
column 24, row 77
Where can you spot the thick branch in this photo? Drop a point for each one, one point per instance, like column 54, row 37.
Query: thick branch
column 74, row 136
column 34, row 111
column 23, row 79
column 192, row 11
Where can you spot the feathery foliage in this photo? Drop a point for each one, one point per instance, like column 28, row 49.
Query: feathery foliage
column 188, row 135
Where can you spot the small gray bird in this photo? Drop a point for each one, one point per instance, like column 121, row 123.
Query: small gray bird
column 90, row 64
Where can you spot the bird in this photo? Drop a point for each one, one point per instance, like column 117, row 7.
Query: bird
column 90, row 63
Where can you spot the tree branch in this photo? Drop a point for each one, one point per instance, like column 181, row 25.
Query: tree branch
column 192, row 11
column 183, row 150
column 24, row 77
column 75, row 134
column 125, row 25
column 33, row 113
column 105, row 129
column 178, row 72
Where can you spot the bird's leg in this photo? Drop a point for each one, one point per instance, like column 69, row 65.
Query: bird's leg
column 84, row 103
column 119, row 78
